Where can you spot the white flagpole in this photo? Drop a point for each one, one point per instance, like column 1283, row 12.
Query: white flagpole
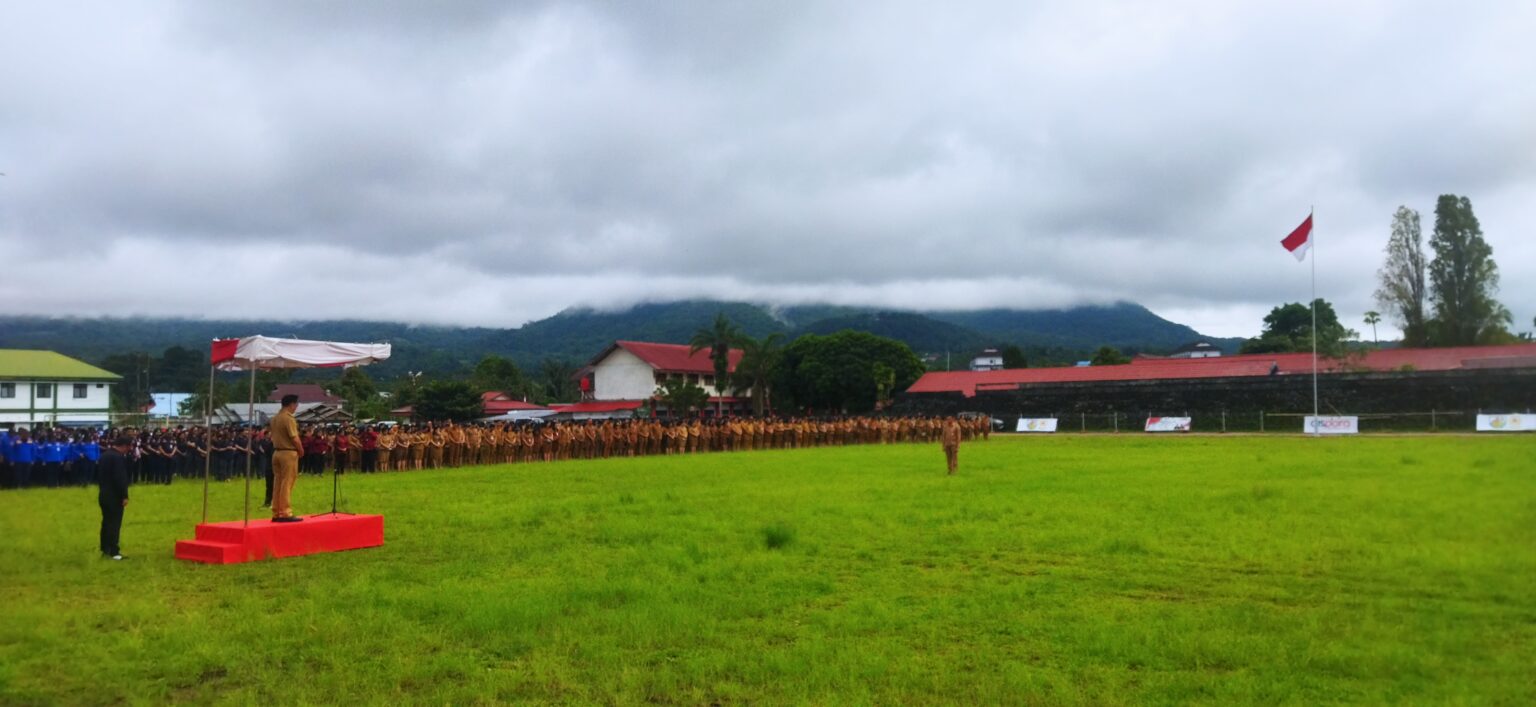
column 1315, row 411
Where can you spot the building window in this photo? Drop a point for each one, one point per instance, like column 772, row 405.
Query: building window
column 7, row 390
column 44, row 390
column 81, row 390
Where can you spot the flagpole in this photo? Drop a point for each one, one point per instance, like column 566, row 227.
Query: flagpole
column 1311, row 214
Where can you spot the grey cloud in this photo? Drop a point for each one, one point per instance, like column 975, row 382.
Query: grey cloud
column 890, row 154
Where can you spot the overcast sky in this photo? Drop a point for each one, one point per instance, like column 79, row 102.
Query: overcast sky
column 490, row 163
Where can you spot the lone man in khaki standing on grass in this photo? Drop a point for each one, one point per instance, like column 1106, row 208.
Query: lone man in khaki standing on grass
column 286, row 450
column 951, row 441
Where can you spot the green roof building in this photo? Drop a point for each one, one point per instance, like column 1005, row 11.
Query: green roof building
column 49, row 388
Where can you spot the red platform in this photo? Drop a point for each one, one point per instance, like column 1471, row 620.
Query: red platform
column 234, row 541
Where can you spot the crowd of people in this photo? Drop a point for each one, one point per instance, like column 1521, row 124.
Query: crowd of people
column 52, row 458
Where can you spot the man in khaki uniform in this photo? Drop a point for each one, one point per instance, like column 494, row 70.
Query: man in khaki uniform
column 951, row 441
column 286, row 450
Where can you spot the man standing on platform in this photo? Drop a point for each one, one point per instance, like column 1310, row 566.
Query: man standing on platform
column 286, row 450
column 951, row 441
column 112, row 495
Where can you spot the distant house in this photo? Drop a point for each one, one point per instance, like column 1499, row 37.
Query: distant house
column 262, row 413
column 307, row 392
column 1196, row 349
column 45, row 387
column 630, row 372
column 987, row 360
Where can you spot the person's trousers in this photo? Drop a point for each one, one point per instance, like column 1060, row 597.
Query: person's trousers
column 267, row 474
column 285, row 468
column 370, row 460
column 952, row 455
column 111, row 526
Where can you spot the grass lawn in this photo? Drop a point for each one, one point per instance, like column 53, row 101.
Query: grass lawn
column 1054, row 570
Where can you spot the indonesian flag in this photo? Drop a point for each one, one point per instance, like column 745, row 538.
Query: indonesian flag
column 1300, row 240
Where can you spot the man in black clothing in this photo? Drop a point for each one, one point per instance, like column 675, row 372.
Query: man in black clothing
column 112, row 480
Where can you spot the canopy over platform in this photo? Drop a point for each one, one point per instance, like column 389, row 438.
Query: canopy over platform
column 261, row 352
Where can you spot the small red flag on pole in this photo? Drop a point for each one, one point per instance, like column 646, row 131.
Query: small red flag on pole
column 1300, row 240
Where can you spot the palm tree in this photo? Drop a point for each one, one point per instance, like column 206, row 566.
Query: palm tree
column 758, row 359
column 1372, row 318
column 718, row 338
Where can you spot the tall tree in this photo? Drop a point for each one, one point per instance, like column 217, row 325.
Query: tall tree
column 501, row 375
column 1013, row 357
column 1289, row 328
column 1373, row 318
column 356, row 387
column 558, row 379
column 718, row 338
column 1402, row 290
column 681, row 397
column 1108, row 356
column 1463, row 279
column 836, row 372
column 447, row 400
column 759, row 358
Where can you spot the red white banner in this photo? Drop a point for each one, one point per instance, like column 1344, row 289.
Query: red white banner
column 1300, row 240
column 1037, row 424
column 262, row 352
column 1168, row 424
column 1506, row 423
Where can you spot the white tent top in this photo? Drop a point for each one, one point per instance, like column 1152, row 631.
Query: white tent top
column 263, row 352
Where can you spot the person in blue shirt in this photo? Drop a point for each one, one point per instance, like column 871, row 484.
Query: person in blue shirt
column 85, row 452
column 23, row 455
column 6, row 479
column 53, row 452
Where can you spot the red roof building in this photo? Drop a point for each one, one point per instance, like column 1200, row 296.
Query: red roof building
column 631, row 371
column 967, row 383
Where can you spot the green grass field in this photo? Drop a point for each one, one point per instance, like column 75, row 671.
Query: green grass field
column 1066, row 570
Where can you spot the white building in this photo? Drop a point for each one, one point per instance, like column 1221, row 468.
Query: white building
column 48, row 388
column 987, row 360
column 626, row 374
column 1198, row 349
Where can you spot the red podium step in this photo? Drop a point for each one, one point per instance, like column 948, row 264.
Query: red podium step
column 234, row 541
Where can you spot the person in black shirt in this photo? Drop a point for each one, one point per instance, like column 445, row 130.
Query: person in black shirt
column 112, row 495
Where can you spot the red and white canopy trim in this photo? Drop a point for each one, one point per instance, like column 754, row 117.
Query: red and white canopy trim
column 263, row 352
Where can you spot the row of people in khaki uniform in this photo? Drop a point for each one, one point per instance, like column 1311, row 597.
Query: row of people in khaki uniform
column 430, row 446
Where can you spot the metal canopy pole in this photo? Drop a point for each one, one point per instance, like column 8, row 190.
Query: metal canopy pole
column 207, row 439
column 250, row 418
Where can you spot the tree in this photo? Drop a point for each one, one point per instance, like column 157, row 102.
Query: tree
column 1013, row 357
column 1463, row 279
column 447, row 400
column 1108, row 356
column 759, row 358
column 1289, row 328
column 836, row 372
column 362, row 396
column 1402, row 289
column 718, row 338
column 557, row 378
column 501, row 375
column 1373, row 318
column 885, row 382
column 682, row 398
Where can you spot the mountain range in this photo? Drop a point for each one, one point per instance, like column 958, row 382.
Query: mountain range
column 1048, row 337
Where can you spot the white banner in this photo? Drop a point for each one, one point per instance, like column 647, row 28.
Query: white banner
column 1506, row 423
column 1331, row 425
column 1168, row 424
column 1037, row 424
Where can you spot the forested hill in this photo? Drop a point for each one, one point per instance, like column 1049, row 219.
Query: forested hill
column 577, row 334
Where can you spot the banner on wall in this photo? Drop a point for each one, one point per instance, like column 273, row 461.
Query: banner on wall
column 1331, row 425
column 1506, row 423
column 1168, row 424
column 1037, row 424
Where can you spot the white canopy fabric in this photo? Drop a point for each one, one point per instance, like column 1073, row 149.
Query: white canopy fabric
column 517, row 415
column 263, row 352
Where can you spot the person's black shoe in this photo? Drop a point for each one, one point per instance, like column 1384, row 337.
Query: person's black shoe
column 289, row 519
